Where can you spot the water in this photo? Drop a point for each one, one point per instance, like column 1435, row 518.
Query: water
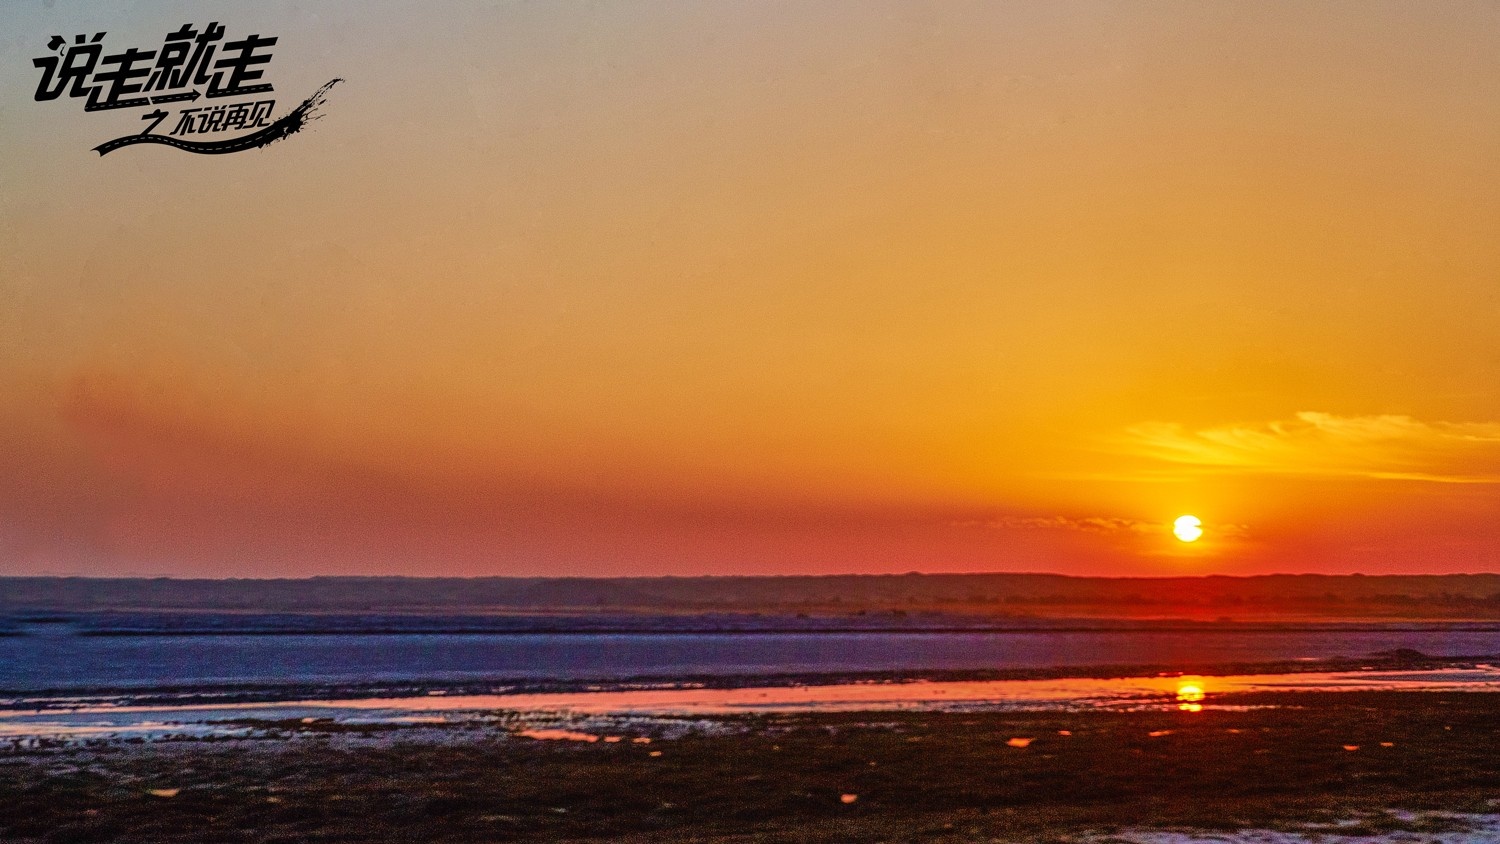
column 75, row 719
column 60, row 661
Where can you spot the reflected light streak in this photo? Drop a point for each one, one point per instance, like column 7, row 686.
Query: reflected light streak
column 1190, row 695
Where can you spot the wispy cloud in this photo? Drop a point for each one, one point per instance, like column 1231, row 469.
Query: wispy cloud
column 1104, row 525
column 1086, row 524
column 1314, row 443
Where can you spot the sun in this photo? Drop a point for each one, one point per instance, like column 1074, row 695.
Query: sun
column 1187, row 528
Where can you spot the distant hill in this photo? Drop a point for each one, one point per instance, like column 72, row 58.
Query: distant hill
column 1469, row 596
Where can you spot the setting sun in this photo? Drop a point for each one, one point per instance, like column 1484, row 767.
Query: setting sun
column 1187, row 528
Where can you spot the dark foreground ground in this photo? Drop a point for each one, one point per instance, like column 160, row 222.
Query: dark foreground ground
column 913, row 777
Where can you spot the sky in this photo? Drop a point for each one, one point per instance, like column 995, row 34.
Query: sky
column 610, row 288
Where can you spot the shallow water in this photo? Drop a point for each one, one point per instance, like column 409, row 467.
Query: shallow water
column 60, row 662
column 1460, row 829
column 1188, row 693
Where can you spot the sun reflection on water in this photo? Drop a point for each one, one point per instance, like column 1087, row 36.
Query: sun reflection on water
column 1190, row 694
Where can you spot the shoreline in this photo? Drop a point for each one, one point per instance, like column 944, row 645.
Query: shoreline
column 34, row 722
column 814, row 627
column 252, row 692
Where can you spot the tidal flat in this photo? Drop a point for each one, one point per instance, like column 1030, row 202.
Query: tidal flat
column 1345, row 766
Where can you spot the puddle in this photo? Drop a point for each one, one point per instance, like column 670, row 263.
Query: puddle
column 559, row 735
column 1409, row 828
column 1190, row 694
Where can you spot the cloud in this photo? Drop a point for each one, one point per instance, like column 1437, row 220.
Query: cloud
column 1103, row 525
column 1086, row 524
column 1323, row 444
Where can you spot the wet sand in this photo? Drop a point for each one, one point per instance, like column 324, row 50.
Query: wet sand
column 75, row 719
column 1265, row 760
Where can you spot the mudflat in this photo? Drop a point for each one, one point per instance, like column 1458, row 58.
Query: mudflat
column 1267, row 760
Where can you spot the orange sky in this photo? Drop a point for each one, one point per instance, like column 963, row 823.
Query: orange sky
column 651, row 287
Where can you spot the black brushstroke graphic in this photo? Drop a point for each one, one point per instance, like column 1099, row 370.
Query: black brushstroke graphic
column 294, row 121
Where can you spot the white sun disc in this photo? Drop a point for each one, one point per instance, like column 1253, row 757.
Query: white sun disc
column 1187, row 528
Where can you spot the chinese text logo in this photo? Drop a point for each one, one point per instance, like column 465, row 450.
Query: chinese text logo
column 211, row 87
